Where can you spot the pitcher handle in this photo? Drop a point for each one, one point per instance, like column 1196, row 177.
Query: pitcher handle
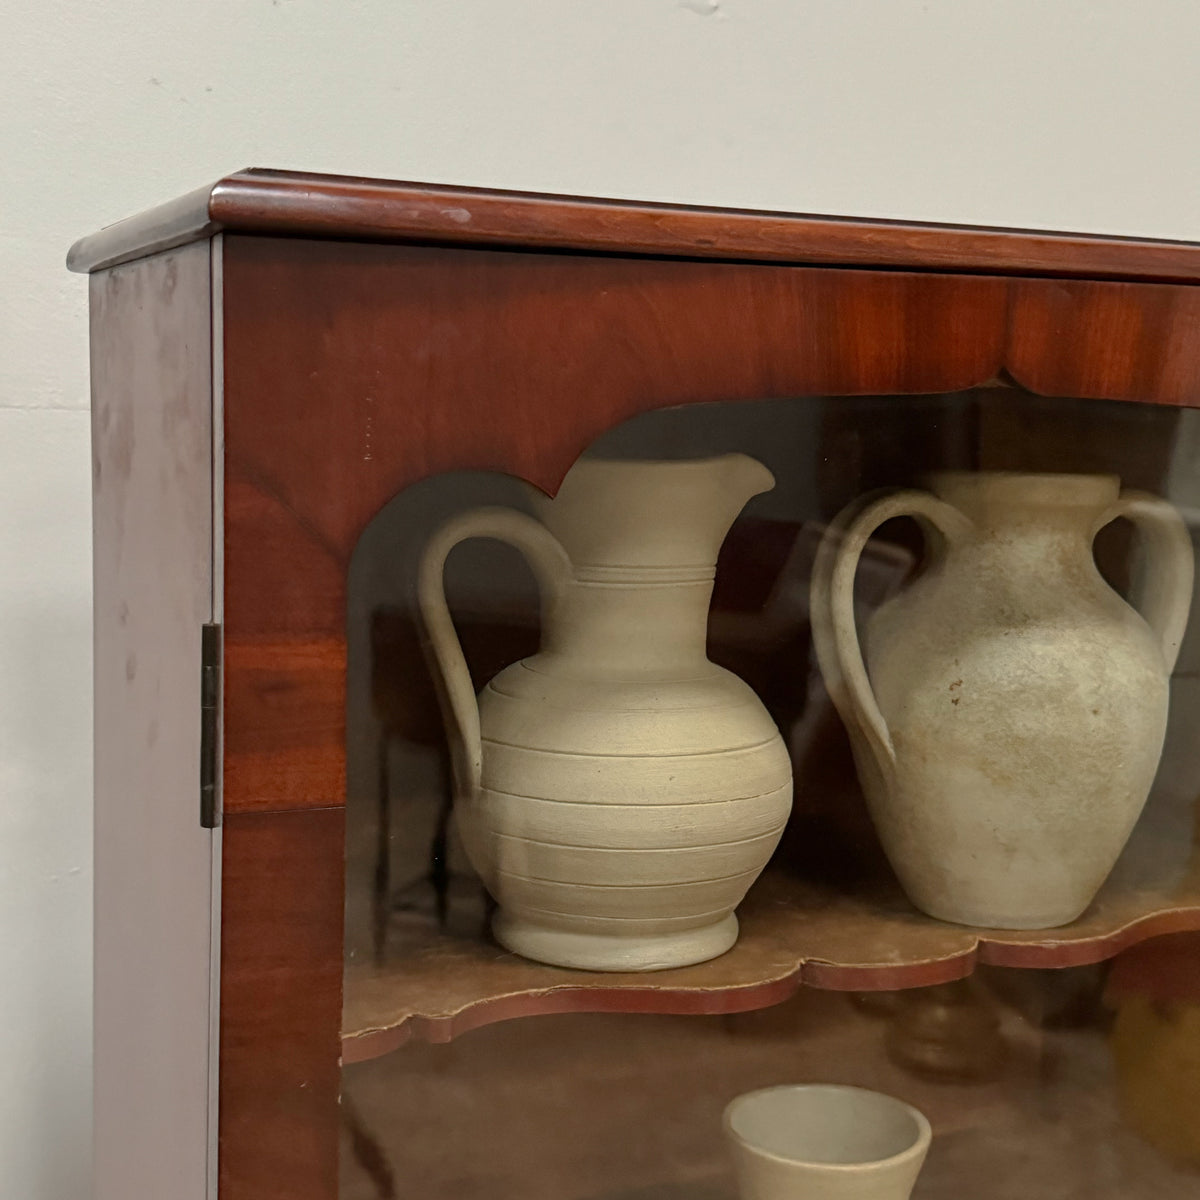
column 835, row 634
column 1163, row 594
column 456, row 693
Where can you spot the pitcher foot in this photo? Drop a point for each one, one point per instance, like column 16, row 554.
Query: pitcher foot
column 613, row 952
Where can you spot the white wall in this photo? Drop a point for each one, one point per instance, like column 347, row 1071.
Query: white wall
column 1052, row 113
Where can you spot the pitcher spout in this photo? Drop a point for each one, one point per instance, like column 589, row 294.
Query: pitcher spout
column 746, row 478
column 716, row 490
column 651, row 513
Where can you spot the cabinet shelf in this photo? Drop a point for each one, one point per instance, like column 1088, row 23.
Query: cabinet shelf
column 792, row 933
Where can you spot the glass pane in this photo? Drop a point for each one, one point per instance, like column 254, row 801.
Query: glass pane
column 1056, row 1069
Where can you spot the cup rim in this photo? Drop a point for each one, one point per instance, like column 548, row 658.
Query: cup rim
column 919, row 1147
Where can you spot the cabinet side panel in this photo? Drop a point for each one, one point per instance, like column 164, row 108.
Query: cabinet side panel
column 152, row 514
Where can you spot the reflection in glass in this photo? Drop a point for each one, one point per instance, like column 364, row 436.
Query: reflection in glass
column 1046, row 1082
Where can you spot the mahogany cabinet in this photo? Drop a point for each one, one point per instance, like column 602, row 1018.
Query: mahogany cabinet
column 274, row 360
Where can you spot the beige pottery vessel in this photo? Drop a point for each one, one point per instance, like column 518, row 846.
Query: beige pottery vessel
column 617, row 792
column 1008, row 719
column 825, row 1142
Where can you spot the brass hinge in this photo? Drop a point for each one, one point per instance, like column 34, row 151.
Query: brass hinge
column 210, row 726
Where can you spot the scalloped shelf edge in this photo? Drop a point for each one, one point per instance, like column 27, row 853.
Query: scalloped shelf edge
column 363, row 1044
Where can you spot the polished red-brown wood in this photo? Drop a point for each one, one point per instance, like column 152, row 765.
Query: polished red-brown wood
column 296, row 204
column 281, row 993
column 1111, row 341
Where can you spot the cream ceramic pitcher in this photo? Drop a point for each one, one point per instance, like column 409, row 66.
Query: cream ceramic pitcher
column 1008, row 718
column 617, row 792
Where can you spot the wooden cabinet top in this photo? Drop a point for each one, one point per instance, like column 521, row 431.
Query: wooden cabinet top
column 287, row 203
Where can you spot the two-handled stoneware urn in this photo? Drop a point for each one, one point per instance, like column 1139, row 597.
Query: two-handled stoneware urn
column 1008, row 711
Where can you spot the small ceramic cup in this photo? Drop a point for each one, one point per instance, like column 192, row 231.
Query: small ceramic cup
column 825, row 1142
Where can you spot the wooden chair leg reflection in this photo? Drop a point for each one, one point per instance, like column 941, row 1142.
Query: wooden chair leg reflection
column 406, row 711
column 381, row 884
column 367, row 1151
column 384, row 902
column 405, row 707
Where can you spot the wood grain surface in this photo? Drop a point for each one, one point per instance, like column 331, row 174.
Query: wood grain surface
column 297, row 204
column 281, row 989
column 1109, row 341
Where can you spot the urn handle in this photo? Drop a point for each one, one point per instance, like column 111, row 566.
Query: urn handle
column 835, row 634
column 456, row 692
column 1163, row 592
